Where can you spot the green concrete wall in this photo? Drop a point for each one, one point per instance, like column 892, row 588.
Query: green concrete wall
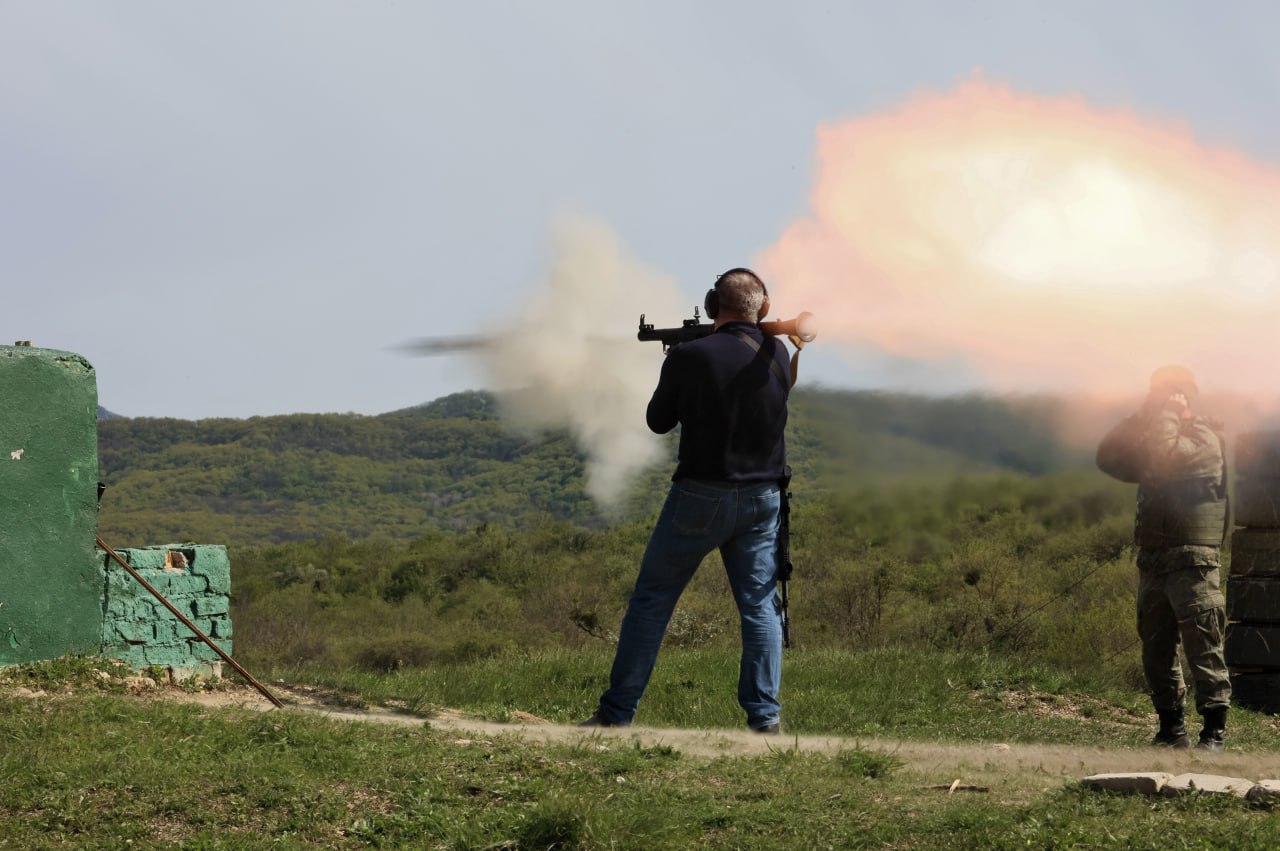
column 139, row 630
column 50, row 578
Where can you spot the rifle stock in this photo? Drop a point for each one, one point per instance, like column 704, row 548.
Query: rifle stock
column 804, row 327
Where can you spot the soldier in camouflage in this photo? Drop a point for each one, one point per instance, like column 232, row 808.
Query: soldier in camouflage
column 1178, row 461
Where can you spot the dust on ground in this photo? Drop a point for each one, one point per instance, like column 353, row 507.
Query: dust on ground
column 970, row 764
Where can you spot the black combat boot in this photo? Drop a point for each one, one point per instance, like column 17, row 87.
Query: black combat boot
column 1173, row 729
column 1215, row 726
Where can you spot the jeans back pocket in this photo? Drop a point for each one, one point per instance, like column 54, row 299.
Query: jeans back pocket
column 695, row 512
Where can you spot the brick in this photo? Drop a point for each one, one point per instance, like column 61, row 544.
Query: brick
column 211, row 627
column 131, row 632
column 119, row 582
column 186, row 583
column 1209, row 784
column 1142, row 783
column 141, row 559
column 144, row 608
column 210, row 604
column 212, row 562
column 171, row 631
column 133, row 655
column 179, row 599
column 204, row 652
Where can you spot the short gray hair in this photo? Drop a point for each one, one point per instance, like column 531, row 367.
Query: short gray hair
column 742, row 293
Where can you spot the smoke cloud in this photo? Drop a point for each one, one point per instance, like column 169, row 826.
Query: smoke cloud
column 1044, row 244
column 1041, row 245
column 571, row 358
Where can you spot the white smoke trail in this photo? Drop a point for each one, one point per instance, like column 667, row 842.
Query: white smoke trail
column 573, row 359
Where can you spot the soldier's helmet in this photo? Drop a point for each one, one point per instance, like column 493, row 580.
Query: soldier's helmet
column 1173, row 378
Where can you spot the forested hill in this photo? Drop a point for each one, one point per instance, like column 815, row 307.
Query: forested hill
column 452, row 463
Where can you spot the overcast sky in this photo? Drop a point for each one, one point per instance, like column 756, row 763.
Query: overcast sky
column 237, row 208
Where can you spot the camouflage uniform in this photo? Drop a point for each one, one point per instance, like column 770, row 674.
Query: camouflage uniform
column 1179, row 598
column 1178, row 465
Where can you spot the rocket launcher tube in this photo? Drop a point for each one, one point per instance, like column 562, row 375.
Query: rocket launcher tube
column 801, row 330
column 804, row 327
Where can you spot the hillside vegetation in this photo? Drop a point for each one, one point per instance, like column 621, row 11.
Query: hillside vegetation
column 438, row 535
column 452, row 465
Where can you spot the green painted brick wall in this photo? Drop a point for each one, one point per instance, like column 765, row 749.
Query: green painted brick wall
column 51, row 582
column 139, row 630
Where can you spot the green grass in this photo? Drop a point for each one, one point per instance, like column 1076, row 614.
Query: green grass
column 110, row 771
column 885, row 693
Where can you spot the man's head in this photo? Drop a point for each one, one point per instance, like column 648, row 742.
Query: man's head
column 1171, row 379
column 1172, row 383
column 738, row 295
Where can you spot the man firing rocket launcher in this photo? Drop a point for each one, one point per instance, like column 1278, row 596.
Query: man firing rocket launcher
column 800, row 330
column 725, row 385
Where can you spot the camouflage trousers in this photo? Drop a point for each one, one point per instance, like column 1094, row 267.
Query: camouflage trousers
column 1180, row 602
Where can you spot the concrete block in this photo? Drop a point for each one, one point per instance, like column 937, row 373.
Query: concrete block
column 118, row 578
column 211, row 561
column 171, row 631
column 52, row 585
column 204, row 652
column 210, row 604
column 1255, row 552
column 1265, row 790
column 144, row 607
column 1257, row 502
column 1253, row 645
column 140, row 559
column 132, row 632
column 178, row 584
column 133, row 655
column 1140, row 783
column 1258, row 453
column 1253, row 598
column 1209, row 784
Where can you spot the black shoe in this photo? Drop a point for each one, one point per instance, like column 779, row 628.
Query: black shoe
column 774, row 729
column 1215, row 727
column 1211, row 740
column 1173, row 730
column 598, row 720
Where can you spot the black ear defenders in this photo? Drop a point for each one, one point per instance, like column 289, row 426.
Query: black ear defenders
column 711, row 301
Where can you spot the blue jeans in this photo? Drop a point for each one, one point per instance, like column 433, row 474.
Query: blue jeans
column 742, row 522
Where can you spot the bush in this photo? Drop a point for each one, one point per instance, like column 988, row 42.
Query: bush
column 1040, row 567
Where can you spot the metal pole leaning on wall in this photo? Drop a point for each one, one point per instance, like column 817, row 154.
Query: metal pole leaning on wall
column 189, row 625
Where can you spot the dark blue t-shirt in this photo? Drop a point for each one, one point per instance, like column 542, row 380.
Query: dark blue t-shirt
column 731, row 407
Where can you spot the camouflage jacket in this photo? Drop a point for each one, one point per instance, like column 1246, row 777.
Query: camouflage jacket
column 1179, row 467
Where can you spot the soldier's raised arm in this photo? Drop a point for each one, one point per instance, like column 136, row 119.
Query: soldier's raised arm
column 1181, row 447
column 1121, row 453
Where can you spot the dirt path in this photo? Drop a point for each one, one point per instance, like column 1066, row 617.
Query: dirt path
column 979, row 764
